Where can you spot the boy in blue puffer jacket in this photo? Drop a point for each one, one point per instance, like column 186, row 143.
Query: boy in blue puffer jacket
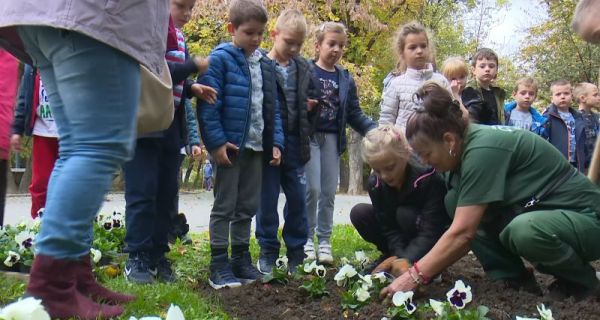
column 521, row 113
column 243, row 124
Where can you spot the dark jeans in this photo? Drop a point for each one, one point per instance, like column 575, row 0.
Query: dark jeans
column 151, row 186
column 291, row 177
column 364, row 220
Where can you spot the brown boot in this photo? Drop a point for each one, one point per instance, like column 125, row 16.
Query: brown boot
column 53, row 281
column 87, row 284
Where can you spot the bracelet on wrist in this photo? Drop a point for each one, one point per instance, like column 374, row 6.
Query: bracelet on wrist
column 426, row 279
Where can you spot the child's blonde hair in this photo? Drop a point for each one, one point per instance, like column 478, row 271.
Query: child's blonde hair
column 385, row 140
column 582, row 89
column 455, row 67
column 527, row 82
column 412, row 27
column 325, row 28
column 292, row 20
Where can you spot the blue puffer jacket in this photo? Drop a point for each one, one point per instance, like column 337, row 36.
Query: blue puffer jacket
column 538, row 121
column 350, row 111
column 228, row 120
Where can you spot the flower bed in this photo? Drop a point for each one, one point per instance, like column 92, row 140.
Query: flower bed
column 290, row 302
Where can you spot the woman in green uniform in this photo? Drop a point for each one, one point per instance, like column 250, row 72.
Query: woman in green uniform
column 512, row 195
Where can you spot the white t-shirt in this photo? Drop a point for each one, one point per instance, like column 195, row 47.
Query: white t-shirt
column 44, row 123
column 520, row 119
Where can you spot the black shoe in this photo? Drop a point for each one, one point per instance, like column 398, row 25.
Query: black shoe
column 266, row 261
column 295, row 258
column 525, row 282
column 242, row 268
column 137, row 269
column 561, row 289
column 221, row 275
column 162, row 270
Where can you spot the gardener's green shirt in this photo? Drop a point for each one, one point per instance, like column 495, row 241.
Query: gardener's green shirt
column 504, row 167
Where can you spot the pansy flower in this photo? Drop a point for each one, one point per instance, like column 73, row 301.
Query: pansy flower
column 117, row 220
column 362, row 258
column 24, row 239
column 346, row 272
column 437, row 306
column 401, row 298
column 11, row 259
column 107, row 223
column 96, row 255
column 545, row 313
column 460, row 295
column 28, row 308
column 309, row 267
column 362, row 294
column 320, row 271
column 282, row 263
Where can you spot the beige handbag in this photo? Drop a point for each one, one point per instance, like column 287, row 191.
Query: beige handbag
column 156, row 108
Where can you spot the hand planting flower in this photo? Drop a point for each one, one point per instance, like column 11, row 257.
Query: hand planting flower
column 401, row 298
column 460, row 295
column 25, row 240
column 96, row 255
column 282, row 263
column 346, row 272
column 11, row 259
column 24, row 309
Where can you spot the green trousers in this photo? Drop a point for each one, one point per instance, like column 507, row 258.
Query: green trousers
column 557, row 242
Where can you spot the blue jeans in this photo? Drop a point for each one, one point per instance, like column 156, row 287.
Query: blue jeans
column 291, row 177
column 93, row 90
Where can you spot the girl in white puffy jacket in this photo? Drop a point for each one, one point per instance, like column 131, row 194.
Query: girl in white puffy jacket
column 413, row 69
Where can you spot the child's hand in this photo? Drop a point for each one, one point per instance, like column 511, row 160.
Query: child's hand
column 311, row 104
column 201, row 64
column 276, row 157
column 221, row 154
column 455, row 86
column 15, row 143
column 196, row 152
column 205, row 93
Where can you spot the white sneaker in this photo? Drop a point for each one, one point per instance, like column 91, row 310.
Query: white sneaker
column 325, row 256
column 309, row 250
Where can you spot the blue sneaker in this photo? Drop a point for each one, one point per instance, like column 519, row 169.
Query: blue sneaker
column 243, row 269
column 221, row 276
column 162, row 270
column 266, row 261
column 137, row 269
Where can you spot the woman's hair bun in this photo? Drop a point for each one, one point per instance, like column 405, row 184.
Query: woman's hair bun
column 436, row 100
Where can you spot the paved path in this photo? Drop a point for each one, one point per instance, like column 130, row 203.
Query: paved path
column 196, row 206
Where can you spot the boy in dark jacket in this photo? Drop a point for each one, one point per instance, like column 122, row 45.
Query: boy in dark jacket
column 407, row 214
column 564, row 127
column 240, row 129
column 586, row 95
column 294, row 83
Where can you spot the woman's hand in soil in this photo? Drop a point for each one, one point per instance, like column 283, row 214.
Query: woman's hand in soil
column 385, row 265
column 403, row 283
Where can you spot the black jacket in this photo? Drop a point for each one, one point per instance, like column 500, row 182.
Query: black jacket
column 413, row 219
column 305, row 88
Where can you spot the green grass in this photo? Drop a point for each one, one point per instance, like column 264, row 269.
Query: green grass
column 191, row 265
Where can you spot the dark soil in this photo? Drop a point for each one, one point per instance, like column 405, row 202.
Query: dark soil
column 260, row 301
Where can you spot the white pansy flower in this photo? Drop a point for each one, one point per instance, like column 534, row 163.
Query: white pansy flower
column 380, row 276
column 25, row 240
column 309, row 267
column 362, row 294
column 344, row 261
column 96, row 255
column 546, row 314
column 175, row 313
column 366, row 281
column 401, row 298
column 25, row 309
column 12, row 258
column 282, row 262
column 361, row 257
column 460, row 295
column 437, row 306
column 346, row 272
column 525, row 318
column 320, row 271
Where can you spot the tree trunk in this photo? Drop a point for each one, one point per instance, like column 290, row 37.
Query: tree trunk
column 344, row 175
column 355, row 164
column 11, row 185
